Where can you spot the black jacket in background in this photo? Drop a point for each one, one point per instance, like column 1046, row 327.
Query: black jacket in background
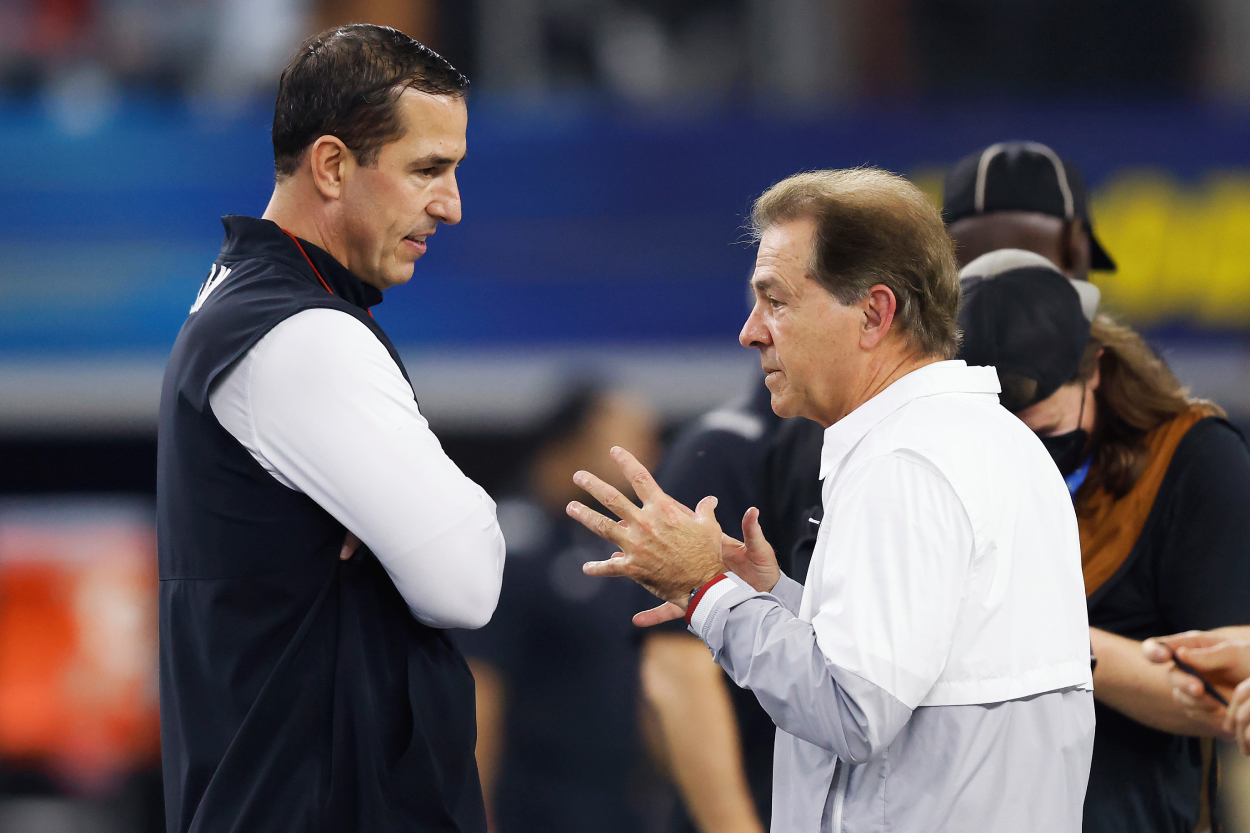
column 298, row 693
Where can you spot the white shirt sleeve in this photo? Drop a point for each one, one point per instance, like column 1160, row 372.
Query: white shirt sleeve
column 898, row 548
column 320, row 404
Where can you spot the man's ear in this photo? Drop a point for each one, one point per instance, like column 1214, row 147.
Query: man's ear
column 1075, row 250
column 329, row 159
column 879, row 306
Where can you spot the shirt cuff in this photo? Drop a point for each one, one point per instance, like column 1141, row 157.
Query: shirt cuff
column 705, row 614
column 700, row 594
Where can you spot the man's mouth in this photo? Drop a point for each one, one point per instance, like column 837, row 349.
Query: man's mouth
column 771, row 373
column 417, row 241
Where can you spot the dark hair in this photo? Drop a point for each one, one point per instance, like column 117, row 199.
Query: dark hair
column 345, row 82
column 1137, row 393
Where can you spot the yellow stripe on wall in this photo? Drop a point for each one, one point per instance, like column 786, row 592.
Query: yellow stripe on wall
column 1183, row 251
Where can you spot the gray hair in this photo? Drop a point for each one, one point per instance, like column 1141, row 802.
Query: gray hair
column 875, row 228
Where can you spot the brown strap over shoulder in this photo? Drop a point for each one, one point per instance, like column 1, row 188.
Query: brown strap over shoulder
column 1110, row 526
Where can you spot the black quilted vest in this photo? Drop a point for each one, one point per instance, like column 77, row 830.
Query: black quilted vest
column 298, row 693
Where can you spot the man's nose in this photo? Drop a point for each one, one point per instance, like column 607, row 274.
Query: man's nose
column 754, row 333
column 445, row 207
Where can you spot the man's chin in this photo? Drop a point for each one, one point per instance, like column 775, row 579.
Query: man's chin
column 783, row 405
column 399, row 275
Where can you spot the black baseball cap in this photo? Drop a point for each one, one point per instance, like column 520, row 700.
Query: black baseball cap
column 1021, row 176
column 1022, row 316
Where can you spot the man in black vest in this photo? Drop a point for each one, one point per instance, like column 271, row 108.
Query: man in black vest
column 306, row 679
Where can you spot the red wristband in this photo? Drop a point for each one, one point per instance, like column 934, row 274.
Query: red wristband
column 698, row 596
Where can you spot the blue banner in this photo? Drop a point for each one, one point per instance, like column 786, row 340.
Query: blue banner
column 585, row 223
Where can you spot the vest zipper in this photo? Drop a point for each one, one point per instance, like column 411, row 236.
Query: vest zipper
column 839, row 797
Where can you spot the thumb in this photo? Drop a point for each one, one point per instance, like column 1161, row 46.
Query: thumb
column 706, row 510
column 752, row 532
column 666, row 612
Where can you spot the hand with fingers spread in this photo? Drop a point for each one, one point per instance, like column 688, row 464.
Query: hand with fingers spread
column 753, row 561
column 664, row 546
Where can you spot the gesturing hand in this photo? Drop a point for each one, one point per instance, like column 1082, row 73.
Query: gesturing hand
column 754, row 562
column 664, row 546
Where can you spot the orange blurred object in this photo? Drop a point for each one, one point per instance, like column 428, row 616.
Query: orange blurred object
column 78, row 694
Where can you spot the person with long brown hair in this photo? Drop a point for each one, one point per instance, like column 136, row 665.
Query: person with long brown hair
column 1161, row 481
column 1161, row 489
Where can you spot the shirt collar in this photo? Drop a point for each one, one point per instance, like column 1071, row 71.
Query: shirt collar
column 939, row 377
column 248, row 237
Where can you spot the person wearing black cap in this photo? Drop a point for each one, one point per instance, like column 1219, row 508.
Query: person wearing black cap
column 1161, row 485
column 1022, row 195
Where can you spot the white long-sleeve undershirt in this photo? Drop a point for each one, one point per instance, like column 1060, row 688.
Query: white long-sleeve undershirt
column 320, row 404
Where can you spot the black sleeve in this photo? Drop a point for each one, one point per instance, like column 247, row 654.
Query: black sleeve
column 1204, row 566
column 790, row 500
column 713, row 462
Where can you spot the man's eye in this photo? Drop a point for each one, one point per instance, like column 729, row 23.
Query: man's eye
column 774, row 303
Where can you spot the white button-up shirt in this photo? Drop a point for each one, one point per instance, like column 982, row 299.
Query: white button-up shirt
column 934, row 673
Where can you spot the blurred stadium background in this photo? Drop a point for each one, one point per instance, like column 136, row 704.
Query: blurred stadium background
column 614, row 149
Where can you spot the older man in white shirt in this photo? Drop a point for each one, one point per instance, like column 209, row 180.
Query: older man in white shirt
column 934, row 673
